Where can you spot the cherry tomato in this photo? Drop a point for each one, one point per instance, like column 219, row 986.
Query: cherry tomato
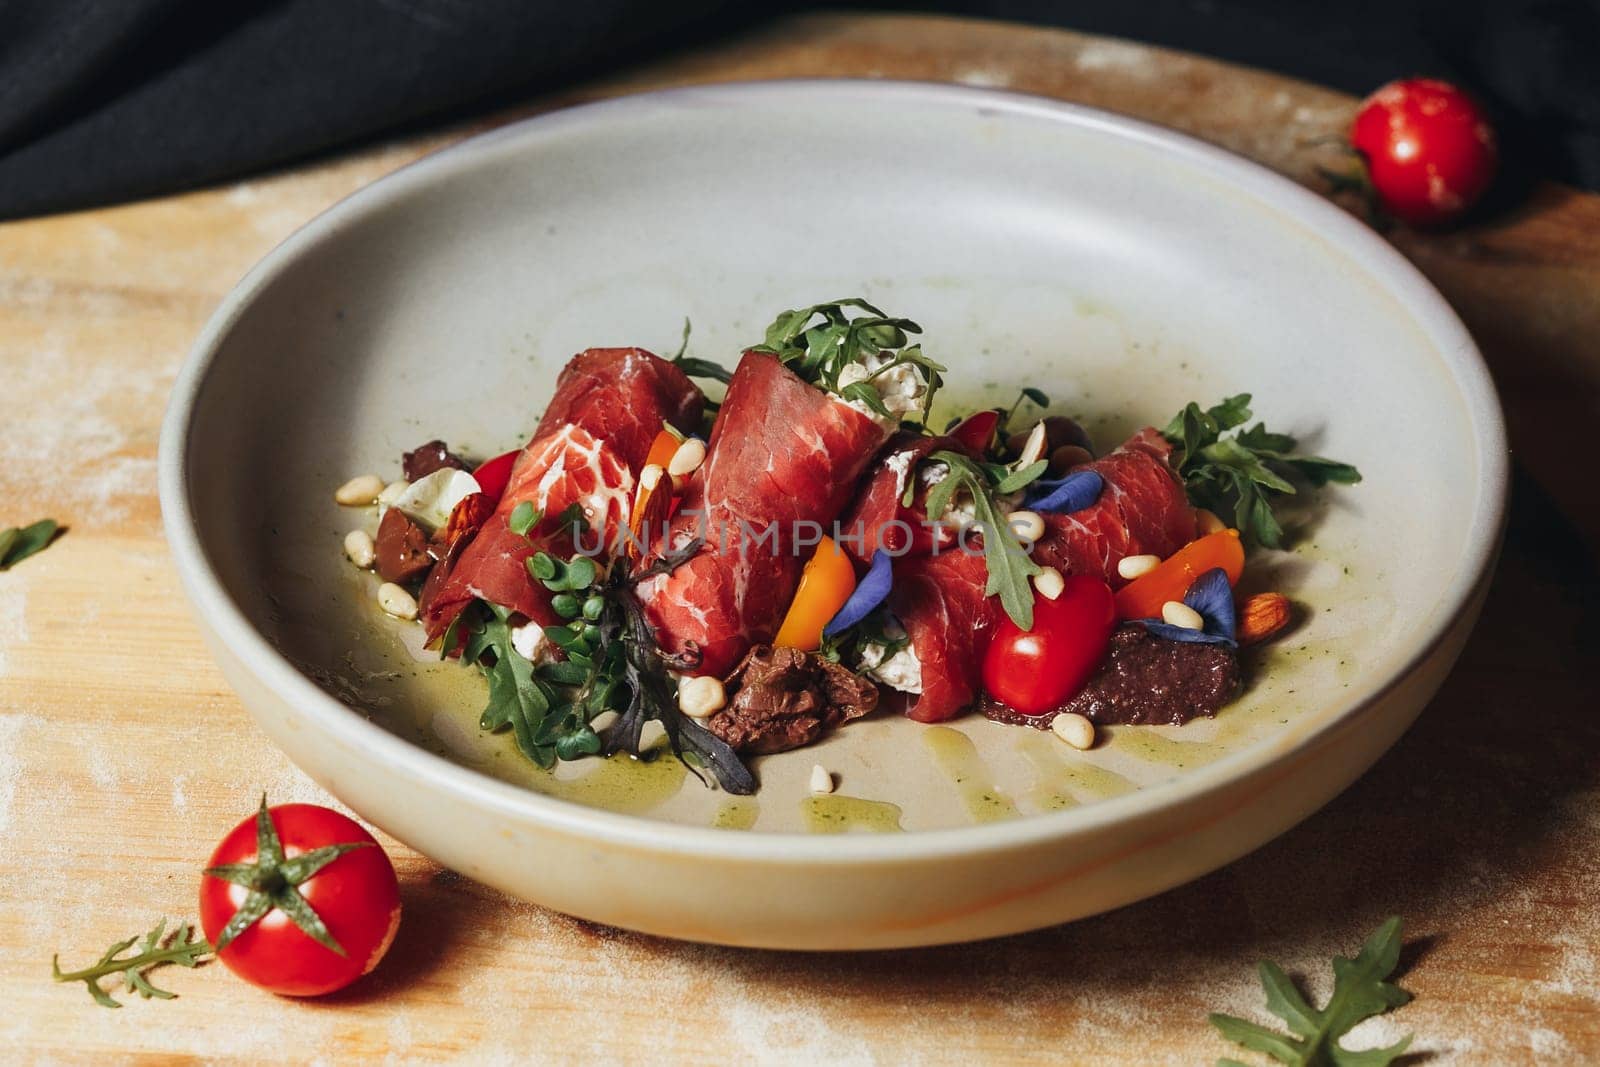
column 1036, row 671
column 825, row 584
column 1429, row 149
column 495, row 474
column 976, row 431
column 354, row 897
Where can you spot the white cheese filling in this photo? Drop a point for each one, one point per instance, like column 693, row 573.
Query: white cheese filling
column 902, row 671
column 531, row 643
column 901, row 389
column 428, row 501
column 962, row 511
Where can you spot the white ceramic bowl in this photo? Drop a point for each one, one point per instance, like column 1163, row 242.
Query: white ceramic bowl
column 1124, row 268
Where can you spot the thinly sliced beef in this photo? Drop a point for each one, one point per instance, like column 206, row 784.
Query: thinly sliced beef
column 609, row 405
column 783, row 454
column 877, row 518
column 622, row 396
column 1142, row 510
column 940, row 602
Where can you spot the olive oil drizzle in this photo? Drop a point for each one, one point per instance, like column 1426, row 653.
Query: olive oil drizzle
column 834, row 814
column 1064, row 777
column 955, row 754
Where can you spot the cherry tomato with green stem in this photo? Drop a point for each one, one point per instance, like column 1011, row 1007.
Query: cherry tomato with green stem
column 299, row 900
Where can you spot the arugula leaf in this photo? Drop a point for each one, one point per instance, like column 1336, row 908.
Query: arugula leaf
column 1029, row 394
column 1008, row 564
column 1360, row 991
column 699, row 368
column 880, row 627
column 1016, row 481
column 17, row 545
column 183, row 946
column 1242, row 474
column 820, row 341
column 704, row 368
column 518, row 699
column 612, row 662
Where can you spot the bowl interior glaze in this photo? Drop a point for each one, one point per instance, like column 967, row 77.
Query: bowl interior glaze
column 1122, row 269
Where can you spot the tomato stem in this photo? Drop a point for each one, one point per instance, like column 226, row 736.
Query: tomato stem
column 273, row 882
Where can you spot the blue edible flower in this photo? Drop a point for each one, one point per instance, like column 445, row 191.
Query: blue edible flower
column 872, row 590
column 1212, row 598
column 1063, row 496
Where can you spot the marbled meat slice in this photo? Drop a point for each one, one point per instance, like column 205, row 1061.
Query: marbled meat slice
column 877, row 509
column 949, row 622
column 1143, row 509
column 783, row 461
column 940, row 602
column 609, row 405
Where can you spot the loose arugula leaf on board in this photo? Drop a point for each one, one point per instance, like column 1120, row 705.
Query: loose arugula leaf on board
column 183, row 946
column 1360, row 991
column 17, row 544
column 1241, row 475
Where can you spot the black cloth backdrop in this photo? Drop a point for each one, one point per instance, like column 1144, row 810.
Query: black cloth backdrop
column 117, row 99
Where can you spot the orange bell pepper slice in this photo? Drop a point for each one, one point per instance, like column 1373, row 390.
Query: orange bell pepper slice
column 662, row 449
column 825, row 584
column 660, row 454
column 1142, row 598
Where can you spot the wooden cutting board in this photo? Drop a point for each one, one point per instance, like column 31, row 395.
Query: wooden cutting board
column 123, row 755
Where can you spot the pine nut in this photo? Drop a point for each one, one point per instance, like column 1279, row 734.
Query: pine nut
column 702, row 697
column 359, row 491
column 359, row 547
column 650, row 477
column 396, row 601
column 688, row 457
column 1033, row 449
column 1049, row 583
column 1074, row 729
column 1208, row 522
column 1177, row 613
column 821, row 780
column 1027, row 525
column 1131, row 567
